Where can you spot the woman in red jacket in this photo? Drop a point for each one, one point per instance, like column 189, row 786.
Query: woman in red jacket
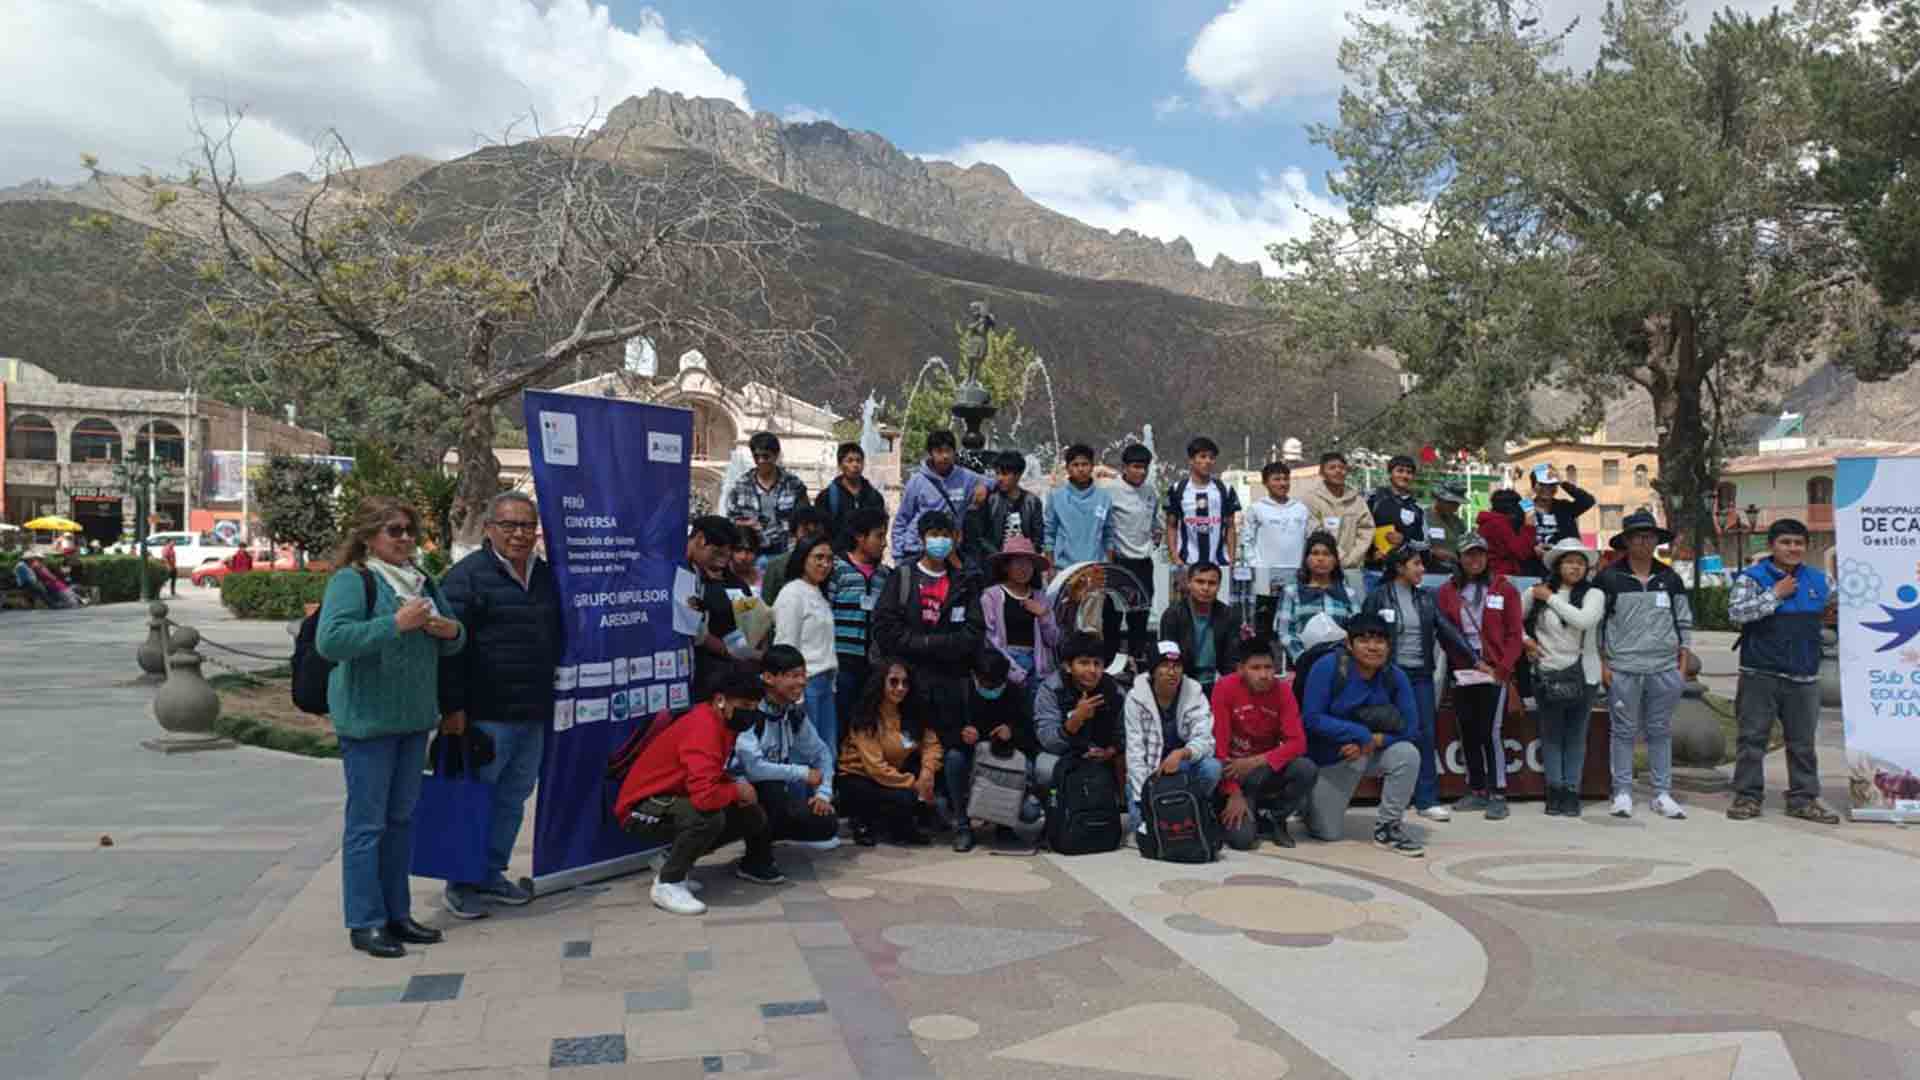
column 1512, row 542
column 1485, row 607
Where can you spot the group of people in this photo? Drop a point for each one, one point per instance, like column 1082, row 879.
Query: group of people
column 42, row 585
column 859, row 665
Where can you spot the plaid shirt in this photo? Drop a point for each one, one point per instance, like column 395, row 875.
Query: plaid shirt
column 769, row 508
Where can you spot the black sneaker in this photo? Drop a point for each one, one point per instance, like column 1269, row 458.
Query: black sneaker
column 1394, row 838
column 863, row 834
column 1496, row 807
column 912, row 838
column 760, row 873
column 1278, row 833
column 963, row 838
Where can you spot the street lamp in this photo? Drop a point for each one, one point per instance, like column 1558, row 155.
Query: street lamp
column 141, row 473
column 1753, row 526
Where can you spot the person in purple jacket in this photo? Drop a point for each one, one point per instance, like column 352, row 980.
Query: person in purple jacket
column 941, row 484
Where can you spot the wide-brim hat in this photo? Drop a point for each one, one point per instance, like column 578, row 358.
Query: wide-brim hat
column 1567, row 547
column 1018, row 548
column 1472, row 541
column 1640, row 521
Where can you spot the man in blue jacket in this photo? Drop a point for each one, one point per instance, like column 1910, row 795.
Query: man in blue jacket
column 502, row 682
column 790, row 768
column 1778, row 603
column 942, row 484
column 1359, row 711
column 1079, row 514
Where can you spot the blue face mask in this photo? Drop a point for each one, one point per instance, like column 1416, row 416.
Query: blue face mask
column 940, row 547
column 993, row 694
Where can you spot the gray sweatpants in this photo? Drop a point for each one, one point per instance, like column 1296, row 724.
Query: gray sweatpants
column 1641, row 706
column 1760, row 700
column 1398, row 766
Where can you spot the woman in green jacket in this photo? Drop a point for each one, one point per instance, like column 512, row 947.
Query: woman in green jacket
column 383, row 697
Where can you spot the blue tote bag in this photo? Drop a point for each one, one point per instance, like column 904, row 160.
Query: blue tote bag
column 452, row 820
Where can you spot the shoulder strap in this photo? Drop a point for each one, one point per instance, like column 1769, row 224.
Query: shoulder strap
column 366, row 581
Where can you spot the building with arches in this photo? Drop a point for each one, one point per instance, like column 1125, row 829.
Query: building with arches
column 63, row 448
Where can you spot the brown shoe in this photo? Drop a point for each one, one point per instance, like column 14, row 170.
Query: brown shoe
column 1815, row 811
column 1744, row 808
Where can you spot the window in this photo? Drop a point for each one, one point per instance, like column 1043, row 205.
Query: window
column 1571, row 474
column 1610, row 471
column 168, row 445
column 31, row 438
column 1820, row 491
column 1639, row 476
column 96, row 440
column 1611, row 515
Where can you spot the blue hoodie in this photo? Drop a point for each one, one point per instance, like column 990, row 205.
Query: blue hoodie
column 1079, row 524
column 1324, row 709
column 928, row 490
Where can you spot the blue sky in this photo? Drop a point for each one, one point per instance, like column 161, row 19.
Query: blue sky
column 1172, row 117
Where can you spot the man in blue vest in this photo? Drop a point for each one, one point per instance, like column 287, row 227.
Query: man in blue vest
column 1778, row 603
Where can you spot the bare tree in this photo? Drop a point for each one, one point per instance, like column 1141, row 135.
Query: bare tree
column 475, row 280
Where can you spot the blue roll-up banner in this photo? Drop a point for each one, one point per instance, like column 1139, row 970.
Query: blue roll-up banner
column 613, row 482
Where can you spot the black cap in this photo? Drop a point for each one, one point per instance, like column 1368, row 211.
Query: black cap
column 1367, row 622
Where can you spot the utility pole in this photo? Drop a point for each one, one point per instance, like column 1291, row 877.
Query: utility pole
column 186, row 466
column 246, row 502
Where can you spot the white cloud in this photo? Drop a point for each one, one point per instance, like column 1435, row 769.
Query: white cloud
column 1261, row 53
column 807, row 114
column 1115, row 191
column 118, row 77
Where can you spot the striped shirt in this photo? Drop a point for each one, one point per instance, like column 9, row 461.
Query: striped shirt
column 853, row 593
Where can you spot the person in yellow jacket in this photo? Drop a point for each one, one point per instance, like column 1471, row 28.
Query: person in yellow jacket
column 889, row 759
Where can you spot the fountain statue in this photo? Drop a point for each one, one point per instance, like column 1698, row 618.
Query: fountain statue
column 871, row 441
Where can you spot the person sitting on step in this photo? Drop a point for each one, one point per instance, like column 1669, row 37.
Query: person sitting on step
column 889, row 759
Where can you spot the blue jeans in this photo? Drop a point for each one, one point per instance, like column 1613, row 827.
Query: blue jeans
column 848, row 682
column 823, row 710
column 1204, row 771
column 1563, row 739
column 517, row 753
column 1426, row 790
column 383, row 785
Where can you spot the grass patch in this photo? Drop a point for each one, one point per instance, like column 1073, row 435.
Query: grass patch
column 257, row 709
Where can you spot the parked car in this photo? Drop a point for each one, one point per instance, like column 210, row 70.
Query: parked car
column 191, row 550
column 208, row 575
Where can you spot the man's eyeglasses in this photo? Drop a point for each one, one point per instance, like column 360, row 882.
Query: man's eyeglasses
column 400, row 532
column 517, row 526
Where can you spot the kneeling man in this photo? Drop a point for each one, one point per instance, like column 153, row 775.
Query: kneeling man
column 1361, row 718
column 789, row 766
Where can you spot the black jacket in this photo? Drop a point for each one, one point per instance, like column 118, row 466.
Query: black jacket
column 1432, row 626
column 1560, row 519
column 1176, row 625
column 987, row 523
column 1390, row 508
column 514, row 636
column 943, row 651
column 841, row 507
column 1011, row 709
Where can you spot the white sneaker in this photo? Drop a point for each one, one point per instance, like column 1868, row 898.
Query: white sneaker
column 828, row 844
column 1436, row 812
column 1623, row 805
column 676, row 899
column 1664, row 805
column 659, row 860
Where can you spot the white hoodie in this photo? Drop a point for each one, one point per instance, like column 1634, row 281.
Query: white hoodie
column 1140, row 717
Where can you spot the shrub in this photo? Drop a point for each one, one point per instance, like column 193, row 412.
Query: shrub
column 1710, row 608
column 116, row 576
column 272, row 594
column 256, row 732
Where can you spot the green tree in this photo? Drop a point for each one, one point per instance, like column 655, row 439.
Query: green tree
column 294, row 498
column 1001, row 372
column 1647, row 225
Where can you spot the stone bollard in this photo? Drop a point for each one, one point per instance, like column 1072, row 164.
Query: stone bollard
column 153, row 652
column 185, row 706
column 1698, row 740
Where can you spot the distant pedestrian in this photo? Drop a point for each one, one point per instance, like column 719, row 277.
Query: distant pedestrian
column 502, row 682
column 1779, row 603
column 172, row 558
column 383, row 700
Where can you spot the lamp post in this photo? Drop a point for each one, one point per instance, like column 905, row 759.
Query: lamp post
column 141, row 474
column 1753, row 526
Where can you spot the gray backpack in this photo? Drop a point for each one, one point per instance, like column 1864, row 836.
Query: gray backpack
column 999, row 786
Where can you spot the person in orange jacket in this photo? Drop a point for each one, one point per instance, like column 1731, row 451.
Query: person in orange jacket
column 679, row 793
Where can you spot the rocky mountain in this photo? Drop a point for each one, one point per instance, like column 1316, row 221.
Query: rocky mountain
column 977, row 208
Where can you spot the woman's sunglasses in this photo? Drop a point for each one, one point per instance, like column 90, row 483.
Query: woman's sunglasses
column 897, row 680
column 399, row 532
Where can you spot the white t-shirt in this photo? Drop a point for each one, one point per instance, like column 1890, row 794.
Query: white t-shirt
column 1278, row 533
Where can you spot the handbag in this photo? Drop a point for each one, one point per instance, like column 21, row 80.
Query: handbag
column 1381, row 718
column 1562, row 687
column 452, row 820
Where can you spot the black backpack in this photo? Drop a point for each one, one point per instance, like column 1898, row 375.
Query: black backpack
column 1313, row 656
column 1178, row 823
column 1083, row 807
column 310, row 669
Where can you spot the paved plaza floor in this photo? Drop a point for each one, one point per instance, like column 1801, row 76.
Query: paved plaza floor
column 1534, row 947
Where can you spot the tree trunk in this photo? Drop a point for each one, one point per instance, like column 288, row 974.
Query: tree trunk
column 479, row 473
column 1685, row 446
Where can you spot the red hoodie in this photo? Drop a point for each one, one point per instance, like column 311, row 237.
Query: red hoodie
column 1245, row 723
column 688, row 758
column 1508, row 549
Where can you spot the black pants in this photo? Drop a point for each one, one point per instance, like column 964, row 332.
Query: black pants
column 673, row 819
column 788, row 818
column 885, row 809
column 1473, row 708
column 1136, row 639
column 1279, row 793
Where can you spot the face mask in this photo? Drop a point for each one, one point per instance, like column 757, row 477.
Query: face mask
column 993, row 694
column 940, row 547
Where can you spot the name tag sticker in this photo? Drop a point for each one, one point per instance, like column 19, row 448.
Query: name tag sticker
column 1662, row 600
column 1331, row 524
column 1436, row 533
column 1389, row 615
column 1243, row 573
column 867, row 601
column 1406, row 516
column 1496, row 602
column 959, row 615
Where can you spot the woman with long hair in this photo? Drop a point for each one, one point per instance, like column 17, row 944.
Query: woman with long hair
column 1485, row 608
column 888, row 761
column 1317, row 587
column 384, row 625
column 1563, row 640
column 1018, row 619
column 803, row 618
